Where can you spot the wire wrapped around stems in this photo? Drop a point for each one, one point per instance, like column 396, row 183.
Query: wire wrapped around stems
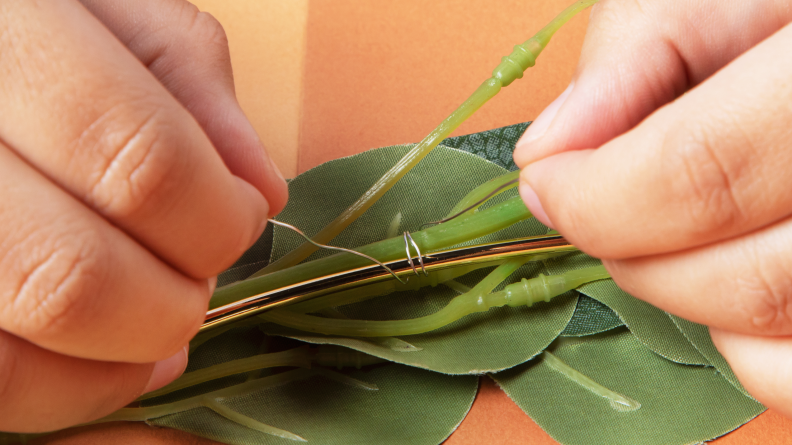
column 341, row 249
column 408, row 239
column 417, row 251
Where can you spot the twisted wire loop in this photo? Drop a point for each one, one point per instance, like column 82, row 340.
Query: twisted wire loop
column 322, row 246
column 417, row 251
column 474, row 205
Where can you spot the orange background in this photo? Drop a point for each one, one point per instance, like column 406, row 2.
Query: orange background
column 321, row 79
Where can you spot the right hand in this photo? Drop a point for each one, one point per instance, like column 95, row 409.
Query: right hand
column 669, row 158
column 129, row 178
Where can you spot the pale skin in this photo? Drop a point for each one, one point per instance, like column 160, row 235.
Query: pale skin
column 129, row 179
column 669, row 157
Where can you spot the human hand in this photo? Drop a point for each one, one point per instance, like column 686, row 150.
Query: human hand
column 129, row 178
column 670, row 159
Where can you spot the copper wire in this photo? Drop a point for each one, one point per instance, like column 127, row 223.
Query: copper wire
column 417, row 251
column 289, row 226
column 474, row 205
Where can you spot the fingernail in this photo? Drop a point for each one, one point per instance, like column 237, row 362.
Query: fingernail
column 212, row 285
column 539, row 126
column 278, row 188
column 168, row 370
column 276, row 169
column 531, row 200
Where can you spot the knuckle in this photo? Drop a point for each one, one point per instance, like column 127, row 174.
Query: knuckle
column 209, row 30
column 701, row 183
column 51, row 291
column 765, row 300
column 135, row 163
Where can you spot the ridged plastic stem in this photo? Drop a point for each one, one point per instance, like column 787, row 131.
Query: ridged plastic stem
column 511, row 68
column 524, row 293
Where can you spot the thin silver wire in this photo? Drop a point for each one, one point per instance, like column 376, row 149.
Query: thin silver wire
column 289, row 226
column 417, row 251
column 474, row 205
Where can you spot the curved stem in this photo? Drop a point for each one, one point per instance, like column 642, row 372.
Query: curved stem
column 364, row 293
column 253, row 424
column 618, row 401
column 481, row 194
column 510, row 69
column 303, row 357
column 524, row 293
column 483, row 93
column 433, row 238
column 298, row 357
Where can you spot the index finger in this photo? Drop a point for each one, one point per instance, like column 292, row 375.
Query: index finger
column 89, row 116
column 640, row 55
column 710, row 166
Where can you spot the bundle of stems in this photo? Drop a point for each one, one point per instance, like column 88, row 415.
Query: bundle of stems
column 469, row 225
column 465, row 222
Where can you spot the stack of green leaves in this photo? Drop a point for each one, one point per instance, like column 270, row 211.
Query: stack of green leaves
column 668, row 366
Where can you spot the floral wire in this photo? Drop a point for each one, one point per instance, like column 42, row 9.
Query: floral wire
column 289, row 226
column 417, row 251
column 474, row 205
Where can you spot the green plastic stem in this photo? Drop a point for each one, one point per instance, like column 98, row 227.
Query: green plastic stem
column 363, row 293
column 511, row 68
column 302, row 357
column 481, row 192
column 298, row 357
column 485, row 92
column 431, row 239
column 209, row 399
column 524, row 293
column 617, row 401
column 151, row 412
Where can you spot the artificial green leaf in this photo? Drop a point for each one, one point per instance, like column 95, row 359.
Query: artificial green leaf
column 649, row 324
column 255, row 258
column 699, row 336
column 591, row 317
column 495, row 340
column 424, row 194
column 679, row 404
column 494, row 145
column 411, row 406
column 482, row 342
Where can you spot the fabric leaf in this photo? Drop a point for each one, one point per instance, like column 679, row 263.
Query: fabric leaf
column 494, row 145
column 255, row 258
column 649, row 324
column 424, row 194
column 679, row 404
column 411, row 406
column 479, row 343
column 591, row 317
column 699, row 336
column 495, row 340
